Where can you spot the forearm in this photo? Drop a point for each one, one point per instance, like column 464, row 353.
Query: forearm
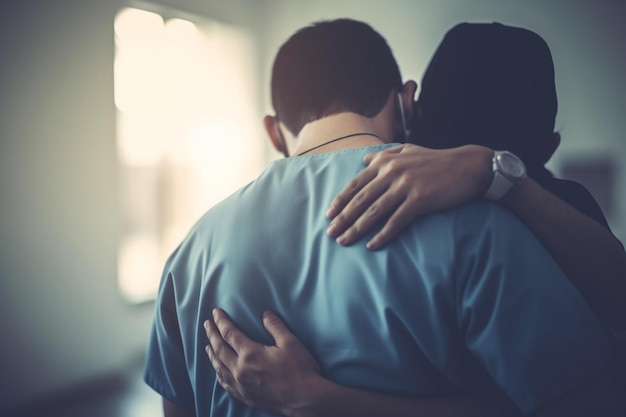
column 587, row 252
column 328, row 399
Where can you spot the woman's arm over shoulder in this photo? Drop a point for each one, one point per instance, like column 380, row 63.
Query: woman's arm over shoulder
column 408, row 181
column 591, row 257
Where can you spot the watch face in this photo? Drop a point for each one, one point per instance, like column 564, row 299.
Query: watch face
column 511, row 165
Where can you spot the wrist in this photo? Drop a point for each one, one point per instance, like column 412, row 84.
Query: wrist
column 508, row 172
column 309, row 398
column 477, row 165
column 523, row 192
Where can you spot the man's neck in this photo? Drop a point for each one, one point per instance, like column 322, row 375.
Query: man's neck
column 352, row 130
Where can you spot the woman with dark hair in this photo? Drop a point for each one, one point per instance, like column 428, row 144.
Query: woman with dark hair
column 488, row 87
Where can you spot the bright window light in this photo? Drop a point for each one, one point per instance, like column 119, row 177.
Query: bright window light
column 188, row 132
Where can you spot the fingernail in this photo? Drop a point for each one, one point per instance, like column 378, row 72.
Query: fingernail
column 331, row 230
column 372, row 245
column 214, row 311
column 342, row 240
column 329, row 211
column 206, row 324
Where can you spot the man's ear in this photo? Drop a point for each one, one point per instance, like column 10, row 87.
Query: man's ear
column 271, row 128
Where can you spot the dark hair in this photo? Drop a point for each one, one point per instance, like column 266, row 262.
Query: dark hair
column 332, row 67
column 491, row 85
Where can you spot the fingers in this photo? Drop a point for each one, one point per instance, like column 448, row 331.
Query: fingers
column 219, row 347
column 387, row 201
column 349, row 191
column 215, row 340
column 354, row 209
column 220, row 369
column 230, row 333
column 276, row 328
column 223, row 374
column 396, row 223
column 224, row 336
column 363, row 204
column 370, row 156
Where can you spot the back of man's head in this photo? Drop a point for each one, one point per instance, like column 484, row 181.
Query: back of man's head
column 332, row 67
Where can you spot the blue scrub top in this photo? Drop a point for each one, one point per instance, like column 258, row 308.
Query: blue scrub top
column 464, row 302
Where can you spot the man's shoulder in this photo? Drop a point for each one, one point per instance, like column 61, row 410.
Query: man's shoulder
column 487, row 212
column 461, row 232
column 473, row 215
column 475, row 224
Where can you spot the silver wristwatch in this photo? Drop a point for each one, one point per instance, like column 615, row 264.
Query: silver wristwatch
column 508, row 170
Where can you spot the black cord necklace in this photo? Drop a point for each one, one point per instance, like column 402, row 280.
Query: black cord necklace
column 340, row 138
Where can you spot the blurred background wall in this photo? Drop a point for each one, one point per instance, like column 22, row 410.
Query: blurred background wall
column 63, row 321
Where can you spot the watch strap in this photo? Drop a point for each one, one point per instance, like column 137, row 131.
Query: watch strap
column 498, row 187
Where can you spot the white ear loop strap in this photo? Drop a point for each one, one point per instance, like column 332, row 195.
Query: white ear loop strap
column 403, row 118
